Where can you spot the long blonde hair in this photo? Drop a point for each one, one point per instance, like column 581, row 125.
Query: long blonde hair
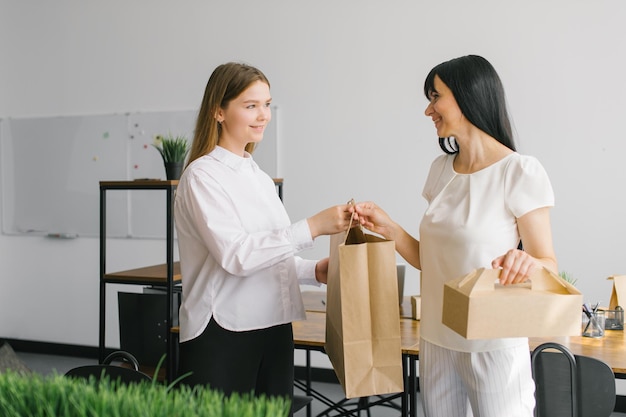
column 226, row 83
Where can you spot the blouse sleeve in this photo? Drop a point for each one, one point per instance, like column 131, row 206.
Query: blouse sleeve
column 437, row 177
column 527, row 186
column 217, row 221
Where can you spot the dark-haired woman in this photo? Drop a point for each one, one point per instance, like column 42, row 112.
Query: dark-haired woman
column 483, row 199
column 238, row 247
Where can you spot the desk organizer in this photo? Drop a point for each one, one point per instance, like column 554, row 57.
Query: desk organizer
column 614, row 319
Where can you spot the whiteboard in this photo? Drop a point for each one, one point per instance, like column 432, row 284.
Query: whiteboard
column 50, row 169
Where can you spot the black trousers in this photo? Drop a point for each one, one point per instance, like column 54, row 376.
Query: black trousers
column 258, row 361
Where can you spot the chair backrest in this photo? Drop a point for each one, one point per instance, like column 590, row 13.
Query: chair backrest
column 114, row 372
column 299, row 402
column 569, row 385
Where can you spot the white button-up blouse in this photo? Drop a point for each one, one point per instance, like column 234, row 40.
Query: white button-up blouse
column 237, row 247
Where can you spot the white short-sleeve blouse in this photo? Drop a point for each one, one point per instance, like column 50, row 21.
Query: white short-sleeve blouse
column 471, row 219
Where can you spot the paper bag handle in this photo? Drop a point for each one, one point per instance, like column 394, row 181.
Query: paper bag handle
column 360, row 231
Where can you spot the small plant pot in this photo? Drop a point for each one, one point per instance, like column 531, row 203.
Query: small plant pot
column 173, row 170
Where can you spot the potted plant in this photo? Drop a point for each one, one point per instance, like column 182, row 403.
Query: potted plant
column 568, row 277
column 173, row 150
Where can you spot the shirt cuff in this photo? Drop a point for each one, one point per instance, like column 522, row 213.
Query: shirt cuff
column 305, row 269
column 301, row 235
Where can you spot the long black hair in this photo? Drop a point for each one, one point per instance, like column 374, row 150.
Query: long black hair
column 479, row 93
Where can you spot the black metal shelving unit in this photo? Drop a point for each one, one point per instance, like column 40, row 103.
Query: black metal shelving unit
column 165, row 275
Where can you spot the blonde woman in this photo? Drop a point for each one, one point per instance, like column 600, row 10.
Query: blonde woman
column 238, row 247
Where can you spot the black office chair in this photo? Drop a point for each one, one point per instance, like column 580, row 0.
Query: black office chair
column 299, row 402
column 123, row 374
column 568, row 385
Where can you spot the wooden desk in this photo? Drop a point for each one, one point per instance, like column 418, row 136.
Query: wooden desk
column 610, row 349
column 310, row 335
column 312, row 332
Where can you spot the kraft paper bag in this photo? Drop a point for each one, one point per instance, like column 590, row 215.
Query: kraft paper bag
column 362, row 315
column 476, row 306
column 618, row 293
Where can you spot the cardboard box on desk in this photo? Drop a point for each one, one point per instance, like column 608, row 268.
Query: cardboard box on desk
column 416, row 307
column 476, row 306
column 618, row 293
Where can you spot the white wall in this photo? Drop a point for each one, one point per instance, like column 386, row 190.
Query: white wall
column 347, row 77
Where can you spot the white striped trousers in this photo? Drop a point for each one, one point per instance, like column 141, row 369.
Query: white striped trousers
column 476, row 384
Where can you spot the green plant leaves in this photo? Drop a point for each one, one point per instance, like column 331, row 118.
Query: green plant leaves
column 172, row 148
column 36, row 396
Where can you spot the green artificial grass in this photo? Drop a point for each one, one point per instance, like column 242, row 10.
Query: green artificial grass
column 33, row 395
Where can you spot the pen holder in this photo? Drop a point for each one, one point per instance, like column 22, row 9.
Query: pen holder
column 614, row 319
column 593, row 325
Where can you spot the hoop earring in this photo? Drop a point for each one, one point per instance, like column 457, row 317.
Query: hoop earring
column 449, row 145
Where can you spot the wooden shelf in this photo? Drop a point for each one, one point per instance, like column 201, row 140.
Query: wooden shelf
column 155, row 274
column 138, row 184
